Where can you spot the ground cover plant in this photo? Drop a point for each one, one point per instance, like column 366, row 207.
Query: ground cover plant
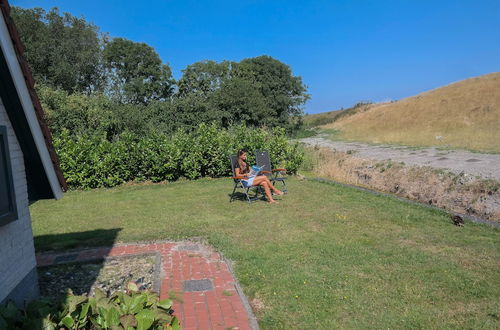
column 132, row 309
column 325, row 257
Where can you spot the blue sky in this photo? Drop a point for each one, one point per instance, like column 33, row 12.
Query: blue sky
column 345, row 51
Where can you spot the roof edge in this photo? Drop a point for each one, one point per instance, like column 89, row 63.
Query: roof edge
column 31, row 94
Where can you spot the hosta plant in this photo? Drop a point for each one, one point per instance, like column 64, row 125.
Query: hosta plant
column 128, row 310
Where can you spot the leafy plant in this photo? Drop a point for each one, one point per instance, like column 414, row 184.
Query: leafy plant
column 91, row 161
column 133, row 309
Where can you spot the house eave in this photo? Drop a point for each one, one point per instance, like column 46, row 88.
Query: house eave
column 29, row 113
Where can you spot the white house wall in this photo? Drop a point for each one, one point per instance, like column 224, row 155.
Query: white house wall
column 18, row 278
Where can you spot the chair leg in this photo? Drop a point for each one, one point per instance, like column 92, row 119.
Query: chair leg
column 248, row 196
column 232, row 195
column 285, row 189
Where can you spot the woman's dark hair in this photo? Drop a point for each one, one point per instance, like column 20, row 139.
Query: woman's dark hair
column 242, row 151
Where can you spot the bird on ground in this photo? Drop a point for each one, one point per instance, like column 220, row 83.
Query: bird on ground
column 457, row 220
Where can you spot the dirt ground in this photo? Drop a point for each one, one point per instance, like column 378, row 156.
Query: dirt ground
column 486, row 166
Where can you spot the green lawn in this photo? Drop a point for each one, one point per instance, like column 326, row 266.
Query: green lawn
column 325, row 257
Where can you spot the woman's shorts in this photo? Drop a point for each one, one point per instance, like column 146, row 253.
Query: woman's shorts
column 247, row 183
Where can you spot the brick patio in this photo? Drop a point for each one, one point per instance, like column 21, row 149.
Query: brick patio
column 207, row 295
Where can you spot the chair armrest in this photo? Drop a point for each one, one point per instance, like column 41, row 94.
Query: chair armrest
column 265, row 172
column 279, row 170
column 236, row 178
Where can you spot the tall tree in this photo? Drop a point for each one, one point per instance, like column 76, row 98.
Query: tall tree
column 283, row 93
column 63, row 51
column 239, row 100
column 139, row 76
column 259, row 91
column 204, row 77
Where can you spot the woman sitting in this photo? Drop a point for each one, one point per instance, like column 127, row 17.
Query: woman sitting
column 241, row 171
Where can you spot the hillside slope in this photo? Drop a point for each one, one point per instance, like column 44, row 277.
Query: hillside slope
column 465, row 114
column 322, row 118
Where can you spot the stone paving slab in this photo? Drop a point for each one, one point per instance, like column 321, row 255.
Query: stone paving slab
column 206, row 293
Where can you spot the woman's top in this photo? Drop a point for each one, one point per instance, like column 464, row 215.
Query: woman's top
column 244, row 169
column 243, row 166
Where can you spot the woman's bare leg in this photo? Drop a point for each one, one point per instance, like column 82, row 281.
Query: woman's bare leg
column 273, row 188
column 267, row 190
column 258, row 181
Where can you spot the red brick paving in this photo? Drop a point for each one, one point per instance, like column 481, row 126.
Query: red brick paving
column 220, row 308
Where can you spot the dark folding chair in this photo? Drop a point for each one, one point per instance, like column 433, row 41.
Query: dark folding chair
column 275, row 175
column 239, row 185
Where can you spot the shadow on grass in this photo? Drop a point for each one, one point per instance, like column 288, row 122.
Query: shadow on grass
column 241, row 197
column 84, row 239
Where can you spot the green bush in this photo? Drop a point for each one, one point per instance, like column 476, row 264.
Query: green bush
column 123, row 310
column 92, row 161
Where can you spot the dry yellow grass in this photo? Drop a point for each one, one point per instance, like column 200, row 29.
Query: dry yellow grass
column 465, row 114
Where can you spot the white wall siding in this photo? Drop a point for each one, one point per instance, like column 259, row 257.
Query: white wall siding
column 17, row 253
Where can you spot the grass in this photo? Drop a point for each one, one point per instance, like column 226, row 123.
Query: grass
column 462, row 115
column 303, row 133
column 326, row 257
column 323, row 118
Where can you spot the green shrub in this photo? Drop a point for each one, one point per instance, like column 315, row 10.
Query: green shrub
column 92, row 161
column 83, row 114
column 123, row 310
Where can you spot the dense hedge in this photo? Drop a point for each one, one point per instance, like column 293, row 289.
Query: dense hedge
column 92, row 161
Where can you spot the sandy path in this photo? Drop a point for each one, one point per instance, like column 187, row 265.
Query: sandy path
column 484, row 165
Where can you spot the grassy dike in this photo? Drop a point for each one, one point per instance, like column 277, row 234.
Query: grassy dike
column 325, row 257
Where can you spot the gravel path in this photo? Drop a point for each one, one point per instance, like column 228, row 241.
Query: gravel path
column 486, row 166
column 110, row 275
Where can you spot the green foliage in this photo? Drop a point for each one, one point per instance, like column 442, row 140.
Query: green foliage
column 63, row 51
column 259, row 91
column 204, row 77
column 91, row 161
column 112, row 85
column 283, row 93
column 123, row 310
column 304, row 133
column 242, row 102
column 82, row 114
column 76, row 112
column 138, row 74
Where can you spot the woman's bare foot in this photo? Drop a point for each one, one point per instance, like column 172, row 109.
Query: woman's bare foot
column 273, row 202
column 278, row 192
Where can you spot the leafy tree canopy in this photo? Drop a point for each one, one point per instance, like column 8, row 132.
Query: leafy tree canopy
column 260, row 91
column 90, row 83
column 138, row 72
column 62, row 50
column 204, row 77
column 284, row 93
